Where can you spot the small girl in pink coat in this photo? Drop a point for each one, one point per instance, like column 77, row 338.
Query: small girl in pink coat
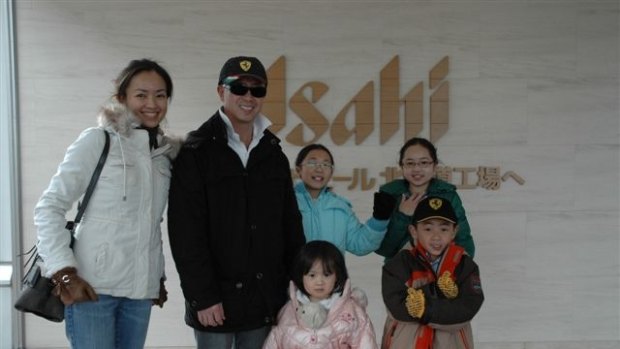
column 323, row 311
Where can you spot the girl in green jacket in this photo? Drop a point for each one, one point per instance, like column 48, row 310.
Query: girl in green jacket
column 418, row 161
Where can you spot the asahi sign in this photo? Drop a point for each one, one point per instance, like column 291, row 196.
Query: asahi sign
column 363, row 104
column 362, row 107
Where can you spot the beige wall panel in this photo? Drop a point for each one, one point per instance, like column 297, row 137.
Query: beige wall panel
column 533, row 88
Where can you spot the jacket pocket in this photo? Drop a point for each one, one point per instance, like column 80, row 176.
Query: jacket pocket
column 234, row 298
column 116, row 173
column 101, row 258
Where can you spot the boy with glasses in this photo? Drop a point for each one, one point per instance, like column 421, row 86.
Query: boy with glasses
column 233, row 219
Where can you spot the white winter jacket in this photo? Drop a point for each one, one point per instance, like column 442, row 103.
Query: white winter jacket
column 118, row 246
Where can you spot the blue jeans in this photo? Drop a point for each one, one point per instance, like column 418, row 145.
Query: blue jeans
column 252, row 339
column 110, row 322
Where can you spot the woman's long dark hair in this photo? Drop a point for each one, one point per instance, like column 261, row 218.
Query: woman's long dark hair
column 136, row 67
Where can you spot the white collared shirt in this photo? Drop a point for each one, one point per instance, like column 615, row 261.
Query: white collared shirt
column 261, row 123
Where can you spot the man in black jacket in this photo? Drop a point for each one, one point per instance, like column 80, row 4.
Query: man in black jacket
column 233, row 220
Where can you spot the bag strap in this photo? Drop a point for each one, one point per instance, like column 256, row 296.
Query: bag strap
column 93, row 179
column 91, row 187
column 33, row 252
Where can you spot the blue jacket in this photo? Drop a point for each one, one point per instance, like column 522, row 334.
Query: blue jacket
column 331, row 218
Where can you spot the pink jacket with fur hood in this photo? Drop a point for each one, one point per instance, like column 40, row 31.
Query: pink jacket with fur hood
column 347, row 325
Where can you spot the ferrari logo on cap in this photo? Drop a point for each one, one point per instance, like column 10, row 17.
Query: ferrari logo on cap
column 245, row 65
column 435, row 204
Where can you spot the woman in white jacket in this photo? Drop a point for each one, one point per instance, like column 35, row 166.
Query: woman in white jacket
column 114, row 273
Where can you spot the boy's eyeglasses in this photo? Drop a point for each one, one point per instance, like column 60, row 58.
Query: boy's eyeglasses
column 422, row 164
column 322, row 165
column 241, row 90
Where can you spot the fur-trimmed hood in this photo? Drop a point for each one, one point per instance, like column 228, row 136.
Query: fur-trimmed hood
column 115, row 117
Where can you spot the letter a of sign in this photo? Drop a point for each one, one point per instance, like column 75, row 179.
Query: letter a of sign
column 389, row 119
column 364, row 114
column 308, row 113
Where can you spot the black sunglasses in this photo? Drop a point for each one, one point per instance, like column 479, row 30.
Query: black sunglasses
column 241, row 90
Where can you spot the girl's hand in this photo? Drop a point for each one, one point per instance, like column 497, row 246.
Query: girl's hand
column 383, row 205
column 408, row 204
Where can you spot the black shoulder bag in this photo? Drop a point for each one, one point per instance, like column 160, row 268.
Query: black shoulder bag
column 36, row 296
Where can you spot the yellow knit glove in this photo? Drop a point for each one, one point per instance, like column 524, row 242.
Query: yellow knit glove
column 447, row 285
column 415, row 302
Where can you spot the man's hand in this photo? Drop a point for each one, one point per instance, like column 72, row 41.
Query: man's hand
column 212, row 316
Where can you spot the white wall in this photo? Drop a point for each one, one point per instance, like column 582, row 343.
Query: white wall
column 533, row 89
